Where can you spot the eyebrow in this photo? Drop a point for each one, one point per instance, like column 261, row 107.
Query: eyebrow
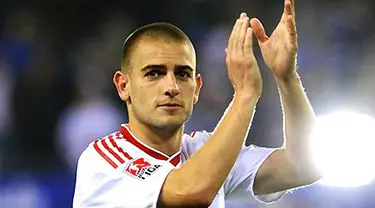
column 161, row 66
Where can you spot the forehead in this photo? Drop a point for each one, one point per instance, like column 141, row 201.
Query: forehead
column 160, row 52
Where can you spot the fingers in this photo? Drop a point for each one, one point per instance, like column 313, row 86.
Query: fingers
column 289, row 17
column 248, row 45
column 232, row 39
column 289, row 7
column 258, row 30
column 243, row 70
column 291, row 25
column 242, row 33
column 238, row 36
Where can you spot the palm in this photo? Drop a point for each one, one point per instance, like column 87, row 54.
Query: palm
column 280, row 49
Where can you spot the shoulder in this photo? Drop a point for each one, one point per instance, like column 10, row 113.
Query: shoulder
column 193, row 141
column 199, row 135
column 107, row 152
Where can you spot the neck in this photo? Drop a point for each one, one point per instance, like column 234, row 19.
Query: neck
column 168, row 142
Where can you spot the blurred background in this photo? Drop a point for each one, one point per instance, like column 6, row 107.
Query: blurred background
column 57, row 59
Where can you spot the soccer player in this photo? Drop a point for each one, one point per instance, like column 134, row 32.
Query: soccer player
column 150, row 162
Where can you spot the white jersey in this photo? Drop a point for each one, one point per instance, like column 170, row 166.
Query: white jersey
column 120, row 171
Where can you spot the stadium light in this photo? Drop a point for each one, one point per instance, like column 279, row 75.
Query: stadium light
column 344, row 148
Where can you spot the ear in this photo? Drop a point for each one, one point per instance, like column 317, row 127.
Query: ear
column 199, row 83
column 121, row 81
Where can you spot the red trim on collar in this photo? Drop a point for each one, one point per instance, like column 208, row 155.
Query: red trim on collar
column 129, row 137
column 176, row 159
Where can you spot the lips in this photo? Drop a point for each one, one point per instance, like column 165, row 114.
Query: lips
column 170, row 105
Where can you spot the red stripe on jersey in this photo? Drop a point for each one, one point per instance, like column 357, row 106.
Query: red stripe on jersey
column 145, row 149
column 110, row 150
column 129, row 137
column 193, row 133
column 113, row 142
column 176, row 160
column 101, row 153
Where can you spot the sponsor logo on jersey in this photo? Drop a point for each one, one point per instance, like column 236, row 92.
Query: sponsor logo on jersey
column 140, row 168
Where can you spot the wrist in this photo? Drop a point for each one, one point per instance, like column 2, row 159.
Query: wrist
column 246, row 98
column 290, row 79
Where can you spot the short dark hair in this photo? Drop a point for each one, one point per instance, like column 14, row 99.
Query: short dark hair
column 159, row 30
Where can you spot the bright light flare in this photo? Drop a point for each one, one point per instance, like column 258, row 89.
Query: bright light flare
column 344, row 148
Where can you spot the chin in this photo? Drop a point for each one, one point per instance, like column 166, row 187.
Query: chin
column 172, row 122
column 169, row 122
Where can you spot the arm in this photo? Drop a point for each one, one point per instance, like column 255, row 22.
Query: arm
column 291, row 166
column 200, row 178
column 197, row 182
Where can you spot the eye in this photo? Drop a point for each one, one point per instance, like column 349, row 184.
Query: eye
column 153, row 73
column 183, row 74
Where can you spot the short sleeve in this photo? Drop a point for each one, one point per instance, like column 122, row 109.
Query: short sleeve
column 239, row 184
column 136, row 184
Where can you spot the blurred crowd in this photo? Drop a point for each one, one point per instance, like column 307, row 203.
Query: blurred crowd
column 57, row 61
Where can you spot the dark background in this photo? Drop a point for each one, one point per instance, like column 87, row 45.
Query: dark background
column 57, row 59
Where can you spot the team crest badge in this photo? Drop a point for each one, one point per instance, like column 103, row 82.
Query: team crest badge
column 140, row 168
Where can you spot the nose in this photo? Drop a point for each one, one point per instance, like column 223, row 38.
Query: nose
column 171, row 87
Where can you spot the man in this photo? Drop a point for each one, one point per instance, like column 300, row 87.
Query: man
column 149, row 162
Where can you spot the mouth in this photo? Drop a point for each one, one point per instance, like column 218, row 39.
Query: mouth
column 170, row 106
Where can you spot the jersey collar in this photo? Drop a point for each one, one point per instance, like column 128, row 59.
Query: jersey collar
column 130, row 137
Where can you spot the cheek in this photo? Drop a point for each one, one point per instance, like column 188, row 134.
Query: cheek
column 137, row 93
column 142, row 95
column 189, row 92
